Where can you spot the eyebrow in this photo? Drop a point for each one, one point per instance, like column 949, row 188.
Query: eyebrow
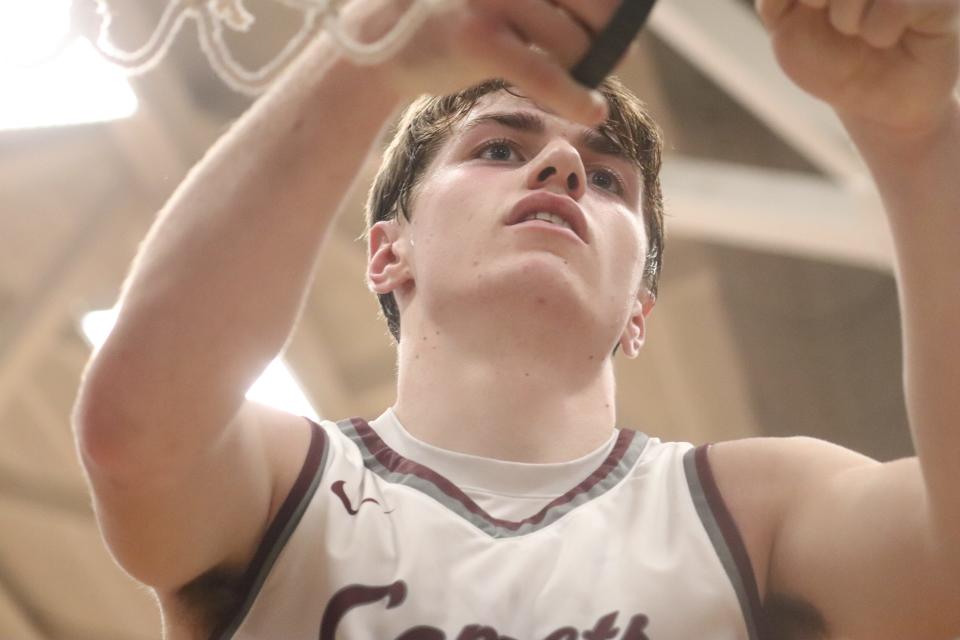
column 532, row 123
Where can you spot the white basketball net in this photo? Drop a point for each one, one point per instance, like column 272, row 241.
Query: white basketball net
column 212, row 16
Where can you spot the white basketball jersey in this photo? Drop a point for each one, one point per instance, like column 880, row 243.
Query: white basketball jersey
column 370, row 544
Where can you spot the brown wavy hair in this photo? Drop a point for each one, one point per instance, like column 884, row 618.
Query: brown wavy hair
column 428, row 121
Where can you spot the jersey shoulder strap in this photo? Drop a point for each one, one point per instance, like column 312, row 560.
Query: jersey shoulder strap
column 725, row 536
column 279, row 531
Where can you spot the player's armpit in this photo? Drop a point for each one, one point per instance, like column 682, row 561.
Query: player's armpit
column 854, row 540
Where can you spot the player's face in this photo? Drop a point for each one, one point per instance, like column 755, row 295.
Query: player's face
column 473, row 246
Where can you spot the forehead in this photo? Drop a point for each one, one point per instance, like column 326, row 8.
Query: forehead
column 526, row 116
column 503, row 101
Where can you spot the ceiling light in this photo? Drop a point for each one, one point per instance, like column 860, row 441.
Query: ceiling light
column 50, row 77
column 276, row 387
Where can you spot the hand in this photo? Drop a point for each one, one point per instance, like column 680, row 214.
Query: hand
column 887, row 63
column 530, row 43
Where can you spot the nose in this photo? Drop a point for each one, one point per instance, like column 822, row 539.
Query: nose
column 559, row 166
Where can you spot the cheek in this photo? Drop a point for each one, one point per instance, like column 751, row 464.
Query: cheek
column 624, row 268
column 630, row 245
column 443, row 222
column 455, row 203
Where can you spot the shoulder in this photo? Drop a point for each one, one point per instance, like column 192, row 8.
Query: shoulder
column 293, row 448
column 761, row 478
column 296, row 448
column 771, row 472
column 804, row 450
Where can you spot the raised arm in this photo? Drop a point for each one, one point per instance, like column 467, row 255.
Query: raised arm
column 184, row 472
column 210, row 300
column 876, row 547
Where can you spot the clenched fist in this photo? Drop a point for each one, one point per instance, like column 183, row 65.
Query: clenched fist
column 892, row 63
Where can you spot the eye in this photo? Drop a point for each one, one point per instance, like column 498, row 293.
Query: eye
column 499, row 149
column 607, row 179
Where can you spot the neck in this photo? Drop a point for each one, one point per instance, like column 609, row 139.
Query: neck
column 508, row 400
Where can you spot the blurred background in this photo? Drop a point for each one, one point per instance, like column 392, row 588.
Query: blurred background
column 777, row 313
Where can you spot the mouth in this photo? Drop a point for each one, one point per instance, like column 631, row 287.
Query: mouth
column 545, row 209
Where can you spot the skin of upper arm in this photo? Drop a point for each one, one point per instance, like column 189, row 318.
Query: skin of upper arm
column 166, row 529
column 851, row 537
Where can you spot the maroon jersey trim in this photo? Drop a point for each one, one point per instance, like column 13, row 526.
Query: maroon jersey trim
column 395, row 468
column 726, row 538
column 279, row 531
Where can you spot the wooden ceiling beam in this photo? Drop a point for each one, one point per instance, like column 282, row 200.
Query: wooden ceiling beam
column 38, row 315
column 780, row 211
column 725, row 40
column 52, row 417
column 74, row 504
column 16, row 619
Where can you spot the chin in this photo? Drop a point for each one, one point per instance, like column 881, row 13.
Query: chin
column 541, row 277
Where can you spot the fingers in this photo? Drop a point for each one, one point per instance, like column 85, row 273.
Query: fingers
column 880, row 23
column 594, row 14
column 885, row 23
column 846, row 16
column 770, row 11
column 548, row 26
column 537, row 73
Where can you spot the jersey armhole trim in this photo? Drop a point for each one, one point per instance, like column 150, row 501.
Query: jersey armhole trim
column 725, row 536
column 279, row 531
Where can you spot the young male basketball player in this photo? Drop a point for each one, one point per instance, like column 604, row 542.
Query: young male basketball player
column 496, row 499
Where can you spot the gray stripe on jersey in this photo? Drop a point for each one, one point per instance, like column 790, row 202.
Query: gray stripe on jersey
column 481, row 519
column 276, row 548
column 715, row 533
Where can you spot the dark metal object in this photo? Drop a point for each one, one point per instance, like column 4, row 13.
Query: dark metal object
column 611, row 43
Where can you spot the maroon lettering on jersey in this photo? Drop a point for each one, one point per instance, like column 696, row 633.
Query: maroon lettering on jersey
column 354, row 596
column 357, row 595
column 638, row 623
column 604, row 629
column 477, row 632
column 422, row 633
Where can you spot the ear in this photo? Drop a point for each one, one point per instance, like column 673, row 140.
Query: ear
column 635, row 333
column 388, row 268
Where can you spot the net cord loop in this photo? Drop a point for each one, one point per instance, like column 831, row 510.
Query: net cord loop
column 212, row 15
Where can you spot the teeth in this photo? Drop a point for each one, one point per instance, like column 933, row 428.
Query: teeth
column 548, row 217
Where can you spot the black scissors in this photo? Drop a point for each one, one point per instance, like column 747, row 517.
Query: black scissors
column 611, row 43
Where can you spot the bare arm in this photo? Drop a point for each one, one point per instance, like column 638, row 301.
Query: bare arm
column 210, row 300
column 185, row 473
column 876, row 547
column 219, row 282
column 919, row 179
